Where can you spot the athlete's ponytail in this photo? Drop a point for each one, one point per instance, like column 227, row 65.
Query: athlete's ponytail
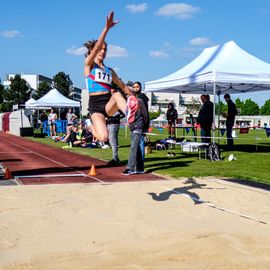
column 90, row 44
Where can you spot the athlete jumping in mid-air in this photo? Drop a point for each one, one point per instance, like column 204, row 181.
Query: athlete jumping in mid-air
column 99, row 80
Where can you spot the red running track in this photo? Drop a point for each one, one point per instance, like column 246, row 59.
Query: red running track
column 32, row 163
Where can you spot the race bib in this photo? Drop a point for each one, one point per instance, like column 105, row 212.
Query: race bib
column 103, row 76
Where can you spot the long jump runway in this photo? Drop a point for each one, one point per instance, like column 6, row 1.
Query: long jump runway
column 32, row 163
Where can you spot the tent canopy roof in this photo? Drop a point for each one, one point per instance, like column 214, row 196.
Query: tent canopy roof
column 232, row 69
column 30, row 103
column 55, row 99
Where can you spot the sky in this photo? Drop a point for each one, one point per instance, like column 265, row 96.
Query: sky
column 153, row 38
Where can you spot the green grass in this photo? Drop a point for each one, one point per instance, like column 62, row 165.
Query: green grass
column 252, row 151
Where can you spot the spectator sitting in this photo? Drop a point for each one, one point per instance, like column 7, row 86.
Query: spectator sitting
column 87, row 136
column 65, row 138
column 79, row 135
column 87, row 122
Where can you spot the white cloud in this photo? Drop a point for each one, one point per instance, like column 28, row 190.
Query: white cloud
column 159, row 54
column 116, row 51
column 11, row 33
column 113, row 51
column 162, row 53
column 137, row 8
column 76, row 51
column 178, row 10
column 200, row 41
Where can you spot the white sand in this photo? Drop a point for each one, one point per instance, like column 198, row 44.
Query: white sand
column 120, row 226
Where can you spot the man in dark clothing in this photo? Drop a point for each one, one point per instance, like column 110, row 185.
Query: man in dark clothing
column 205, row 118
column 113, row 125
column 43, row 117
column 172, row 116
column 230, row 116
column 44, row 120
column 63, row 114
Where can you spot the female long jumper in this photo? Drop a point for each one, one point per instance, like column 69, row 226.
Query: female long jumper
column 99, row 79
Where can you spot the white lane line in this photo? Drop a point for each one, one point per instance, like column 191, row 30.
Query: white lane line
column 238, row 185
column 217, row 207
column 54, row 161
column 15, row 152
column 49, row 175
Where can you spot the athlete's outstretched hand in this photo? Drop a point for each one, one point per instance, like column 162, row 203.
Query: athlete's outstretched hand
column 110, row 23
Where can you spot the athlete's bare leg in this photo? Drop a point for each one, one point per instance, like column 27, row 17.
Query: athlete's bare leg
column 116, row 102
column 99, row 128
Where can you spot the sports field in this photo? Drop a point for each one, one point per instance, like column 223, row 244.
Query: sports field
column 252, row 152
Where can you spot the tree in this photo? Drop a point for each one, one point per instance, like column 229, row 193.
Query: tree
column 129, row 83
column 2, row 92
column 250, row 108
column 18, row 92
column 265, row 109
column 239, row 105
column 220, row 107
column 63, row 83
column 194, row 106
column 154, row 115
column 43, row 89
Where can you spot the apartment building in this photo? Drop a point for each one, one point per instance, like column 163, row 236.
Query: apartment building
column 183, row 102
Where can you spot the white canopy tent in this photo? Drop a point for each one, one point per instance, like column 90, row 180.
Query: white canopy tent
column 55, row 99
column 160, row 121
column 30, row 104
column 217, row 70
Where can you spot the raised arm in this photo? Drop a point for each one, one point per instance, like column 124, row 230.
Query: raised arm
column 89, row 60
column 120, row 84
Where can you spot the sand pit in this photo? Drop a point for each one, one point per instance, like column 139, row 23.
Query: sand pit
column 202, row 223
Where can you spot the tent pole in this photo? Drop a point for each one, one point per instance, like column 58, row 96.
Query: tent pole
column 219, row 107
column 38, row 119
column 80, row 111
column 214, row 109
column 218, row 93
column 21, row 119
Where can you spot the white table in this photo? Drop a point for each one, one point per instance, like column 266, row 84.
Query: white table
column 191, row 146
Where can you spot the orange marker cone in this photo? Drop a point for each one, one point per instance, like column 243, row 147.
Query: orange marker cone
column 7, row 174
column 92, row 171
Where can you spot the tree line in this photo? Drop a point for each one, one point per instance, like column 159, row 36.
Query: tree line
column 247, row 107
column 19, row 91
